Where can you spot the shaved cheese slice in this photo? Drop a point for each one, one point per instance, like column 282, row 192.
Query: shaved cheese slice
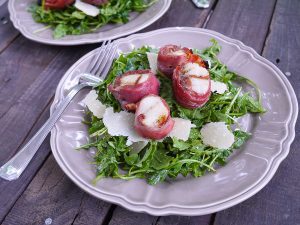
column 217, row 135
column 152, row 59
column 218, row 87
column 86, row 8
column 121, row 124
column 94, row 105
column 199, row 85
column 195, row 69
column 181, row 129
column 153, row 109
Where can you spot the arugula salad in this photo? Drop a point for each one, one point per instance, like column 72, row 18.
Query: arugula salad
column 73, row 17
column 194, row 149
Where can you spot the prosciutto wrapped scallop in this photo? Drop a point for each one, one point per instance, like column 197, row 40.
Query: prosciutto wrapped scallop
column 191, row 83
column 152, row 118
column 132, row 86
column 169, row 57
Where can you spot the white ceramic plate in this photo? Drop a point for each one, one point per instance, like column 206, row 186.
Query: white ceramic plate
column 24, row 22
column 247, row 171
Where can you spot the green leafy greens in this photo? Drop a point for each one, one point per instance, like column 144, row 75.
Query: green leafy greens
column 159, row 160
column 71, row 21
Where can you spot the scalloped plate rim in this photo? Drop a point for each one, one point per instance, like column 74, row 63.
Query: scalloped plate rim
column 79, row 40
column 192, row 211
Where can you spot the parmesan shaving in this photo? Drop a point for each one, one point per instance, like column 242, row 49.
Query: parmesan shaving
column 217, row 135
column 218, row 87
column 86, row 8
column 181, row 129
column 94, row 105
column 152, row 59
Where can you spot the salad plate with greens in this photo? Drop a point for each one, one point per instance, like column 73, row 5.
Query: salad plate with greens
column 188, row 127
column 74, row 22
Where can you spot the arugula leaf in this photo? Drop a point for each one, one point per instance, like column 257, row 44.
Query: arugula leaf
column 240, row 138
column 180, row 145
column 160, row 159
column 158, row 177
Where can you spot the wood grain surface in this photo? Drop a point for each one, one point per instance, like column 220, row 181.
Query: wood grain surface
column 279, row 201
column 247, row 21
column 20, row 118
column 30, row 72
column 7, row 32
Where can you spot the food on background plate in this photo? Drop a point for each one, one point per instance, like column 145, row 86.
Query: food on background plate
column 73, row 17
column 185, row 128
column 130, row 87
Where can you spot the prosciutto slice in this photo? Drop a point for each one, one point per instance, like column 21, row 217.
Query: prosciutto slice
column 169, row 57
column 58, row 4
column 191, row 83
column 132, row 86
column 152, row 118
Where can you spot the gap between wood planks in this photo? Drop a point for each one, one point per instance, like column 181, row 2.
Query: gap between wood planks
column 204, row 25
column 269, row 29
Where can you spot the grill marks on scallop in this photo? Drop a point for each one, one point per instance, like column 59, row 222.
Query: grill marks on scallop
column 191, row 83
column 131, row 87
column 152, row 118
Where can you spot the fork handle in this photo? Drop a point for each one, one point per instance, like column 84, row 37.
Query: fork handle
column 17, row 164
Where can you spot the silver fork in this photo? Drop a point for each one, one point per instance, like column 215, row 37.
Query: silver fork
column 98, row 67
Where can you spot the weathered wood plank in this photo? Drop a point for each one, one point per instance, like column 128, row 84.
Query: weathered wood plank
column 11, row 190
column 19, row 118
column 247, row 21
column 184, row 220
column 51, row 195
column 92, row 211
column 18, row 121
column 125, row 217
column 20, row 64
column 279, row 201
column 182, row 13
column 7, row 31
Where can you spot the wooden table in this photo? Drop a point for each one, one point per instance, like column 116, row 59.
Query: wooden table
column 30, row 72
